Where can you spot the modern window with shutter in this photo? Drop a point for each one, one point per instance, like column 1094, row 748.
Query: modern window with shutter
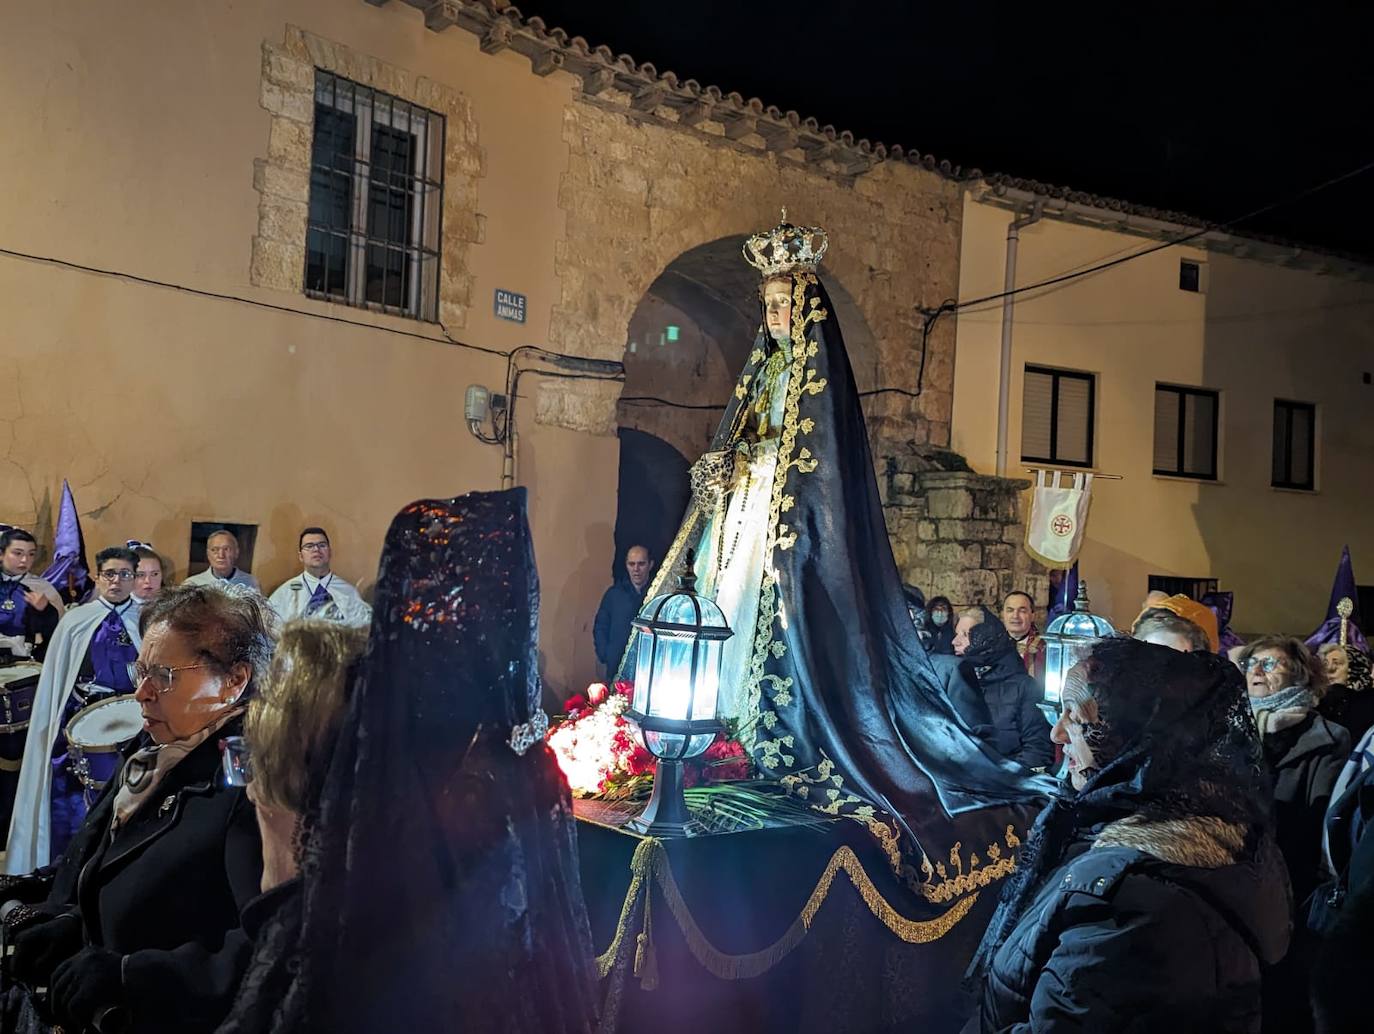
column 376, row 185
column 1057, row 415
column 1295, row 445
column 1185, row 432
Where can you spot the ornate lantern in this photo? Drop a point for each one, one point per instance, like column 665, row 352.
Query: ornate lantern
column 677, row 679
column 1068, row 639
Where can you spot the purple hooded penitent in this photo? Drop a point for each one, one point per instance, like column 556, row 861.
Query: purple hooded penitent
column 1221, row 604
column 1061, row 599
column 68, row 572
column 1343, row 587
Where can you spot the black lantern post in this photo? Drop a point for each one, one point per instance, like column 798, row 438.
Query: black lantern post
column 677, row 681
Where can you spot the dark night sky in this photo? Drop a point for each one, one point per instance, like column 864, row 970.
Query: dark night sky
column 1215, row 110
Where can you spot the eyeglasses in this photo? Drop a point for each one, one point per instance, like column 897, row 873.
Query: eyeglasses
column 159, row 674
column 116, row 576
column 237, row 761
column 1265, row 664
column 314, row 547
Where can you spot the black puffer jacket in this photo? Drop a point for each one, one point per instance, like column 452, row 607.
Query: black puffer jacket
column 1150, row 898
column 991, row 662
column 1140, row 930
column 1305, row 759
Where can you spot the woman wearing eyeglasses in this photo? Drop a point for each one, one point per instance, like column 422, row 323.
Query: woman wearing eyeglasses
column 1303, row 749
column 151, row 941
column 87, row 661
column 1305, row 753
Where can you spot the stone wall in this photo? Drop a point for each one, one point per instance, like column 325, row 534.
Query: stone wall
column 639, row 193
column 959, row 534
column 282, row 178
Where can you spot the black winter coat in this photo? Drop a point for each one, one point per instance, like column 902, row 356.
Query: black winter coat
column 1020, row 731
column 1120, row 941
column 1305, row 759
column 964, row 696
column 167, row 890
column 611, row 629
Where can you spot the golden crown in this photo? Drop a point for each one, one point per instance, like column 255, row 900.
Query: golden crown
column 786, row 249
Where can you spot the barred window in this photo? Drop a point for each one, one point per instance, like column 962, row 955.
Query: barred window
column 376, row 186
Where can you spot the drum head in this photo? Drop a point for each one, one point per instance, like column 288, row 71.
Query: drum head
column 106, row 724
column 20, row 671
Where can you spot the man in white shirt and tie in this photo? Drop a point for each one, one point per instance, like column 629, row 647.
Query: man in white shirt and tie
column 222, row 550
column 317, row 591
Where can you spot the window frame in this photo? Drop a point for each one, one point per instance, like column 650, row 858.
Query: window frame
column 424, row 187
column 1293, row 405
column 1056, row 374
column 1183, row 391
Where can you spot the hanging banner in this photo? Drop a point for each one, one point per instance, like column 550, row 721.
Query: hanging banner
column 1058, row 517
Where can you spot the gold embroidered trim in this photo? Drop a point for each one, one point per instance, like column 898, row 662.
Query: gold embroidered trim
column 978, row 875
column 650, row 867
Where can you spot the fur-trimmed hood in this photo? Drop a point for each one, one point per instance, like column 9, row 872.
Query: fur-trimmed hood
column 1202, row 842
column 1208, row 857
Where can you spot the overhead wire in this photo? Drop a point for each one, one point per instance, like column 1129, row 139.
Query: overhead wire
column 930, row 316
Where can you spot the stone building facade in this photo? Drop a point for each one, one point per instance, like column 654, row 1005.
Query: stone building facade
column 171, row 220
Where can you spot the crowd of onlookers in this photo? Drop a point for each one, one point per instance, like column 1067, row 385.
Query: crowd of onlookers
column 1219, row 805
column 242, row 871
column 1205, row 866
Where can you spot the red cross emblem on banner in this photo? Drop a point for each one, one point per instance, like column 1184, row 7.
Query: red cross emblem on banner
column 1062, row 525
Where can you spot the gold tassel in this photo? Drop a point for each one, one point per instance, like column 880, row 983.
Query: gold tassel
column 646, row 960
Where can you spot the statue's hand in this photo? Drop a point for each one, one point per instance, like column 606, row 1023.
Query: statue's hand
column 710, row 478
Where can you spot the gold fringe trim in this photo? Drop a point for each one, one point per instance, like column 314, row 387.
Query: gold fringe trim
column 650, row 866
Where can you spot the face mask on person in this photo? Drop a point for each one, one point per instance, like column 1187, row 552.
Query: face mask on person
column 939, row 617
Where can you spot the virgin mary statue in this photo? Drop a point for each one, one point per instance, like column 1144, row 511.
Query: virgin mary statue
column 832, row 691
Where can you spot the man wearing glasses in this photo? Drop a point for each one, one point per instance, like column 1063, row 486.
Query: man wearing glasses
column 317, row 591
column 88, row 660
column 222, row 553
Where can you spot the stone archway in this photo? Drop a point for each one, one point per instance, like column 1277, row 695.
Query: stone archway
column 687, row 340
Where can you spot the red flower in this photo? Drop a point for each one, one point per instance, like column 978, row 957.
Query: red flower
column 639, row 761
column 574, row 703
column 725, row 761
column 625, row 688
column 596, row 692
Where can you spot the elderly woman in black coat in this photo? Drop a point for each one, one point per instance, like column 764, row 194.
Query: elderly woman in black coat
column 147, row 938
column 988, row 659
column 1148, row 896
column 1305, row 751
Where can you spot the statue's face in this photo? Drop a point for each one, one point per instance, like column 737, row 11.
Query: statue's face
column 777, row 308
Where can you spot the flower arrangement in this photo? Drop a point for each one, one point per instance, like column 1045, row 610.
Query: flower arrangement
column 600, row 750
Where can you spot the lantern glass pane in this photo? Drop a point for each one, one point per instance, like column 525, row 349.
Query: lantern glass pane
column 675, row 746
column 1054, row 671
column 643, row 665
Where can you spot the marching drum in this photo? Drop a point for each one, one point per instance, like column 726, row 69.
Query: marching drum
column 18, row 684
column 94, row 738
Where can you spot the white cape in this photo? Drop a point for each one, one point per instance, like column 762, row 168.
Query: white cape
column 27, row 849
column 291, row 597
column 239, row 577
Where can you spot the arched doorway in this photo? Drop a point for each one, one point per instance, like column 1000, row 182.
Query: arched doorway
column 688, row 338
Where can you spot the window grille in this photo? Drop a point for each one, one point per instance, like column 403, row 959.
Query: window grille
column 376, row 190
